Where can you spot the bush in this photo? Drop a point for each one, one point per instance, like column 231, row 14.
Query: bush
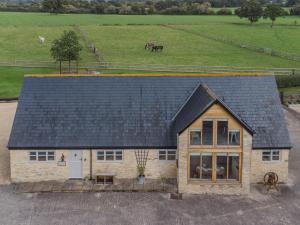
column 174, row 10
column 201, row 9
column 237, row 11
column 111, row 10
column 295, row 10
column 224, row 11
column 288, row 81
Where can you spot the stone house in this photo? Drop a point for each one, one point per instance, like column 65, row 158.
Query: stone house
column 213, row 134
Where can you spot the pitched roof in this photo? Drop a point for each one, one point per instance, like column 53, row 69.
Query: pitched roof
column 199, row 101
column 133, row 112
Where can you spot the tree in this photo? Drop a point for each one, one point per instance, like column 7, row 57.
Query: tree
column 273, row 11
column 290, row 3
column 250, row 9
column 53, row 6
column 295, row 10
column 66, row 48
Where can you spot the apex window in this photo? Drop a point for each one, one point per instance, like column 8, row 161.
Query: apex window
column 222, row 132
column 207, row 129
column 195, row 137
column 234, row 137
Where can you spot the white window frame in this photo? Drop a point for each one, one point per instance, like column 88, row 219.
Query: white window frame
column 114, row 155
column 167, row 154
column 37, row 155
column 195, row 130
column 271, row 155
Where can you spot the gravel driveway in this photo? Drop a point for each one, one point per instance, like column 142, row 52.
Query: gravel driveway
column 7, row 112
column 153, row 208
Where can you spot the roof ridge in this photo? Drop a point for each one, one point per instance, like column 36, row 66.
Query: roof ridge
column 209, row 91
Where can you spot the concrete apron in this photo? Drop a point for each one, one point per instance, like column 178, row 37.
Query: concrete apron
column 128, row 185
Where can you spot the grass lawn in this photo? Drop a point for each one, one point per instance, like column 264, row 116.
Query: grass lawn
column 22, row 43
column 283, row 37
column 11, row 80
column 121, row 40
column 180, row 48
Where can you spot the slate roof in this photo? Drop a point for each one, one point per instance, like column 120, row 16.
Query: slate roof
column 199, row 101
column 137, row 112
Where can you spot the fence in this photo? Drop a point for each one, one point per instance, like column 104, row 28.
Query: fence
column 266, row 51
column 87, row 67
column 89, row 44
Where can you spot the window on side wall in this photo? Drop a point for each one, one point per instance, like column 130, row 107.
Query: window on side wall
column 42, row 156
column 167, row 155
column 271, row 155
column 109, row 155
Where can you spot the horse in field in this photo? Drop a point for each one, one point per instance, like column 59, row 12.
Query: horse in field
column 41, row 39
column 157, row 48
column 149, row 45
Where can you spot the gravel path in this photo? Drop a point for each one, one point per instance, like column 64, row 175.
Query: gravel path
column 7, row 112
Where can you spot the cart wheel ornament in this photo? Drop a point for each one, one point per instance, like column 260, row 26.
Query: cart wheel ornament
column 271, row 180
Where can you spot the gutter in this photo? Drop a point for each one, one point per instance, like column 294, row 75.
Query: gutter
column 91, row 164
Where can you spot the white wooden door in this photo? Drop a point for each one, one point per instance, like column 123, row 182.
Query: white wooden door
column 75, row 164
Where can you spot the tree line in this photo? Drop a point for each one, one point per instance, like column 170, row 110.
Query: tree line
column 168, row 7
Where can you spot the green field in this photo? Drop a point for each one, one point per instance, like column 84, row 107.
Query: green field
column 121, row 39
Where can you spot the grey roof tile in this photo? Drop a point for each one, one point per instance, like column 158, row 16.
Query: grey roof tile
column 124, row 112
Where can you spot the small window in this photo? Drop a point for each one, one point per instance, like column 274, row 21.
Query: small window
column 51, row 156
column 234, row 137
column 171, row 155
column 32, row 156
column 167, row 155
column 195, row 137
column 162, row 155
column 271, row 155
column 109, row 155
column 42, row 156
column 275, row 155
column 100, row 155
column 266, row 156
column 119, row 155
column 104, row 179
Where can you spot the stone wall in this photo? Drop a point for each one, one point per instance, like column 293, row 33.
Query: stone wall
column 127, row 168
column 23, row 170
column 259, row 167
